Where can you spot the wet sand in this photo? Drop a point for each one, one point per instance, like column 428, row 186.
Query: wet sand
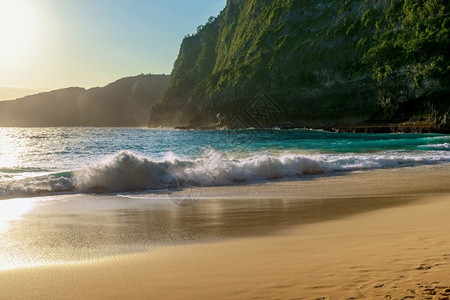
column 376, row 234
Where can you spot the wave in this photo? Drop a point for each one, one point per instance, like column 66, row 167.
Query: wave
column 21, row 170
column 127, row 171
column 442, row 147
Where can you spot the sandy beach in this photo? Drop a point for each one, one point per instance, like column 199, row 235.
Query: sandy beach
column 381, row 234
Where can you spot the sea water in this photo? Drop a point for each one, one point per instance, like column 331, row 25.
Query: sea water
column 49, row 161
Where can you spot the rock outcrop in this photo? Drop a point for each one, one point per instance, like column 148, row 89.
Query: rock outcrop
column 317, row 64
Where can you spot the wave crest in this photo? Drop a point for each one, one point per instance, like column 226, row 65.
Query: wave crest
column 124, row 172
column 127, row 171
column 130, row 172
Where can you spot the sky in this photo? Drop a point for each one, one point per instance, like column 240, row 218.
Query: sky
column 51, row 44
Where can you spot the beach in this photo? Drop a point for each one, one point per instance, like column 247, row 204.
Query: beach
column 376, row 234
column 283, row 150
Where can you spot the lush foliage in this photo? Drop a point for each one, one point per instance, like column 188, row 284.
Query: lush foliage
column 320, row 60
column 412, row 33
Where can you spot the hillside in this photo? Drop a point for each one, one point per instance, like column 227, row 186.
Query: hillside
column 123, row 103
column 315, row 63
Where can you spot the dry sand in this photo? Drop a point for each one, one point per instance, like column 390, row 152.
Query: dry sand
column 373, row 235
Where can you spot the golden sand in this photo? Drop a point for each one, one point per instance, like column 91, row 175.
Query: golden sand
column 381, row 234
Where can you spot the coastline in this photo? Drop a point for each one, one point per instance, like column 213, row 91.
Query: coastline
column 369, row 234
column 342, row 128
column 338, row 128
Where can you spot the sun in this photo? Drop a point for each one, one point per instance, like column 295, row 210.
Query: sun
column 19, row 32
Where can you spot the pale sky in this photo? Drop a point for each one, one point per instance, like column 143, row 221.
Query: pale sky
column 50, row 44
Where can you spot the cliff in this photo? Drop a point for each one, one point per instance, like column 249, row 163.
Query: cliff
column 320, row 63
column 124, row 103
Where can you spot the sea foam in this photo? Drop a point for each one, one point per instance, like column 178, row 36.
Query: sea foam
column 127, row 171
column 130, row 172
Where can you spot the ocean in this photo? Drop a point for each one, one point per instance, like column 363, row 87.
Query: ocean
column 52, row 161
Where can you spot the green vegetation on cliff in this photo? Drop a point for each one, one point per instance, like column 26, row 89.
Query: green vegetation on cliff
column 320, row 62
column 413, row 33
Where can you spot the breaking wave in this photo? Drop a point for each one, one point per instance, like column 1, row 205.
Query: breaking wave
column 127, row 171
column 444, row 147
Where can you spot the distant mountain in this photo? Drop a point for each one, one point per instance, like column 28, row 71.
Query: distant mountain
column 123, row 103
column 314, row 63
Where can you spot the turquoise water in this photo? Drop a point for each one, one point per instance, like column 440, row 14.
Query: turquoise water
column 36, row 161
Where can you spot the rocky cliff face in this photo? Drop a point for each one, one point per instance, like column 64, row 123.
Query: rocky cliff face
column 313, row 63
column 126, row 102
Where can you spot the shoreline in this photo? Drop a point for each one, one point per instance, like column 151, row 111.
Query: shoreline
column 369, row 234
column 390, row 253
column 361, row 128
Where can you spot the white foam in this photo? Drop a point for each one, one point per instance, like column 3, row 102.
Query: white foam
column 33, row 186
column 127, row 171
column 130, row 172
column 444, row 146
column 124, row 172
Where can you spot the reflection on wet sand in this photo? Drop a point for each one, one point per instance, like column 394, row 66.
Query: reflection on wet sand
column 82, row 227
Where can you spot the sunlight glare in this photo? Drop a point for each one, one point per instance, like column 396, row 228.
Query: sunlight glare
column 8, row 150
column 19, row 31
